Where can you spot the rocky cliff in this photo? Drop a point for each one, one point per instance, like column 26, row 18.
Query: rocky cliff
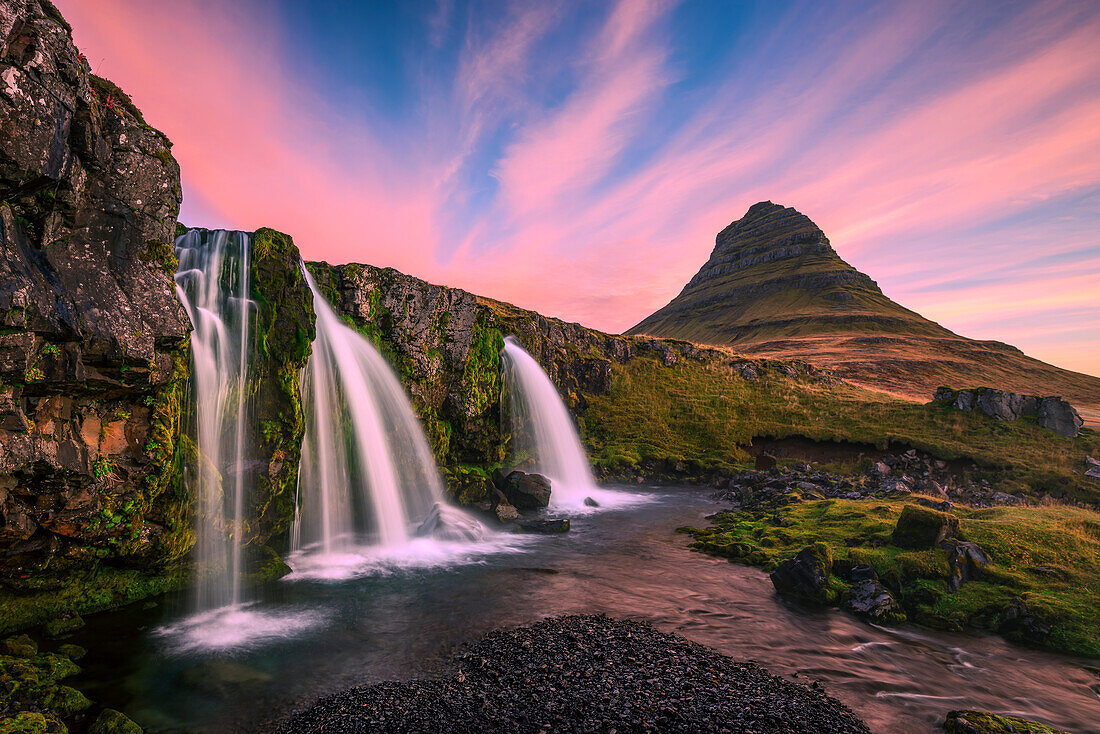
column 445, row 344
column 92, row 339
column 774, row 287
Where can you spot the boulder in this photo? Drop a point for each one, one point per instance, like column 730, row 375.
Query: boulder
column 450, row 524
column 921, row 527
column 110, row 721
column 506, row 512
column 871, row 600
column 1020, row 623
column 20, row 646
column 965, row 560
column 527, row 491
column 806, row 576
column 546, row 527
column 1059, row 416
column 589, row 502
column 62, row 626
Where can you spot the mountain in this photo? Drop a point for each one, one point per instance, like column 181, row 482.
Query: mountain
column 774, row 287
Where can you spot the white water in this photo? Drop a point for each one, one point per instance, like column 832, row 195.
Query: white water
column 543, row 431
column 213, row 285
column 367, row 482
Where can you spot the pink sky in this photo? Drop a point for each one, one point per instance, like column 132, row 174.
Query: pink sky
column 954, row 159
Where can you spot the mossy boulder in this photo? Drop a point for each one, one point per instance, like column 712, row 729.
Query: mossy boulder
column 921, row 527
column 20, row 646
column 72, row 652
column 32, row 722
column 62, row 626
column 980, row 722
column 527, row 491
column 110, row 721
column 808, row 576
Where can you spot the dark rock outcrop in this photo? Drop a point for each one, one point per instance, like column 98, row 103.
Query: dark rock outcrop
column 92, row 338
column 527, row 491
column 1050, row 412
column 546, row 527
column 966, row 561
column 806, row 576
column 870, row 599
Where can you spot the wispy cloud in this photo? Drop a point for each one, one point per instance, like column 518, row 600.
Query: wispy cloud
column 578, row 158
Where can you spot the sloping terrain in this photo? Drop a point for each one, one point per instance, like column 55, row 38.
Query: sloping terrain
column 774, row 287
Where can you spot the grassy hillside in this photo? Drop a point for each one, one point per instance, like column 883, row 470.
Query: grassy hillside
column 705, row 411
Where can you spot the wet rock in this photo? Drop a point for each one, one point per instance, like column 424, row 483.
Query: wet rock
column 546, row 527
column 965, row 560
column 450, row 524
column 72, row 652
column 920, row 527
column 806, row 576
column 870, row 599
column 32, row 722
column 527, row 491
column 110, row 721
column 506, row 512
column 980, row 722
column 589, row 502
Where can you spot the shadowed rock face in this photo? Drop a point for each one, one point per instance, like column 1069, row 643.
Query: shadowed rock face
column 774, row 287
column 91, row 333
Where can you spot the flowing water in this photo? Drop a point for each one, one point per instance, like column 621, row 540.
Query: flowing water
column 543, row 432
column 368, row 484
column 213, row 284
column 403, row 617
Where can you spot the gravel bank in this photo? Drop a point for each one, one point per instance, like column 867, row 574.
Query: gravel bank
column 584, row 674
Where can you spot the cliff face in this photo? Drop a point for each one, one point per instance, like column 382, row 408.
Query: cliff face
column 92, row 339
column 445, row 344
column 774, row 287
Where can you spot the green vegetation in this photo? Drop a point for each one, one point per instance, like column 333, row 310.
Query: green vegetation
column 703, row 411
column 1048, row 558
column 966, row 721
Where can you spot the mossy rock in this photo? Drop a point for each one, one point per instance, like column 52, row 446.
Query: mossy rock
column 921, row 527
column 63, row 625
column 980, row 722
column 20, row 646
column 32, row 722
column 67, row 701
column 264, row 564
column 110, row 721
column 72, row 652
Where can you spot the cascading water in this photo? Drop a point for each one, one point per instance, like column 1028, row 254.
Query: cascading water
column 213, row 284
column 367, row 475
column 543, row 431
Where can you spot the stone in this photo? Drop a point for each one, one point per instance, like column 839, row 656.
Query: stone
column 920, row 527
column 546, row 527
column 110, row 721
column 527, row 491
column 72, row 652
column 880, row 468
column 1020, row 624
column 964, row 400
column 506, row 512
column 870, row 599
column 450, row 524
column 589, row 502
column 1059, row 416
column 806, row 575
column 941, row 505
column 965, row 560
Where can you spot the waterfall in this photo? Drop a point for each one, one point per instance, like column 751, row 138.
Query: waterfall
column 213, row 284
column 543, row 430
column 367, row 474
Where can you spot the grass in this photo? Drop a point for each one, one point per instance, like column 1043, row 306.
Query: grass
column 1047, row 556
column 704, row 412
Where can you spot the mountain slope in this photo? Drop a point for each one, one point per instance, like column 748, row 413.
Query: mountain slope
column 774, row 287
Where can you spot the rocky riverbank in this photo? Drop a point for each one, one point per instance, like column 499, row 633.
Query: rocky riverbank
column 584, row 674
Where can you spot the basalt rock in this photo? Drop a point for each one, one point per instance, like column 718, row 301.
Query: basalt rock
column 527, row 491
column 806, row 576
column 1052, row 413
column 966, row 561
column 92, row 338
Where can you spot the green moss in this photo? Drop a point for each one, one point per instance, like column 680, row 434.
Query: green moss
column 63, row 625
column 967, row 721
column 110, row 721
column 921, row 527
column 32, row 722
column 1017, row 539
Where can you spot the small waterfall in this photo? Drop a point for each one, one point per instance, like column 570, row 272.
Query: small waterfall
column 367, row 473
column 543, row 430
column 213, row 284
